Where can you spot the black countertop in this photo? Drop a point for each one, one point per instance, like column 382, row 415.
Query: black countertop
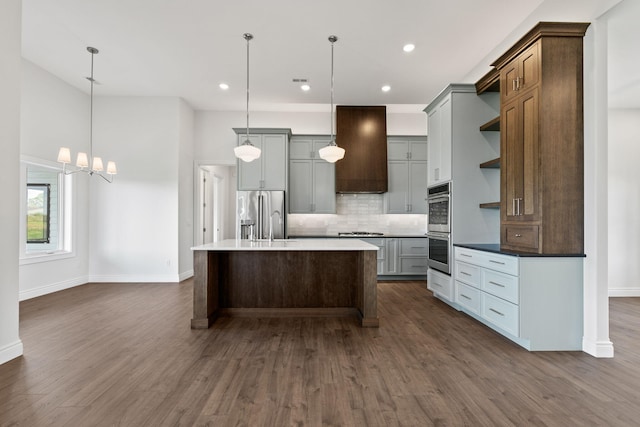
column 495, row 248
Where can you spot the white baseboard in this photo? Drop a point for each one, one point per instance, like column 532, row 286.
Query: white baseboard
column 602, row 349
column 186, row 274
column 135, row 278
column 624, row 292
column 53, row 287
column 11, row 351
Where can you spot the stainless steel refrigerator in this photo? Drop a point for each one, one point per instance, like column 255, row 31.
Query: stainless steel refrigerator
column 258, row 212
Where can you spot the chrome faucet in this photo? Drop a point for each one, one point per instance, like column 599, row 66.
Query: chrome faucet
column 271, row 223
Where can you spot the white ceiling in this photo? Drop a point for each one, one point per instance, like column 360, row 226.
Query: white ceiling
column 186, row 48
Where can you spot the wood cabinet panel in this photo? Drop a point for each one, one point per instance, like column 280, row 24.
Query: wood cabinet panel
column 362, row 132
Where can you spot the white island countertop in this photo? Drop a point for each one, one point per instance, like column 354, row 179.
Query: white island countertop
column 287, row 245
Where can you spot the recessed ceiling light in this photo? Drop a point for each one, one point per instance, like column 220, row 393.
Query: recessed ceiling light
column 305, row 87
column 223, row 86
column 408, row 47
column 386, row 88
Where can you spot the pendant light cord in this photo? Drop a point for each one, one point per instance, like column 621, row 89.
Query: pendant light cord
column 248, row 37
column 332, row 39
column 93, row 52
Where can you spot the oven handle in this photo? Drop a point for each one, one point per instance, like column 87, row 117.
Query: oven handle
column 438, row 199
column 438, row 236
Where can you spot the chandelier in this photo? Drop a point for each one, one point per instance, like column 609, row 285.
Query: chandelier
column 82, row 160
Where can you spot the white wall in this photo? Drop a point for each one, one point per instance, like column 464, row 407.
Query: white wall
column 55, row 114
column 134, row 227
column 185, row 190
column 10, row 68
column 624, row 200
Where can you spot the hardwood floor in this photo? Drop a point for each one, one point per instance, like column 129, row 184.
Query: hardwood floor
column 124, row 354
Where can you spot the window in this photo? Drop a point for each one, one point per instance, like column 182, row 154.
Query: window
column 38, row 213
column 45, row 212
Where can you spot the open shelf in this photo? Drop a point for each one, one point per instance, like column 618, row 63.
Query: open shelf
column 491, row 164
column 491, row 205
column 492, row 125
column 490, row 82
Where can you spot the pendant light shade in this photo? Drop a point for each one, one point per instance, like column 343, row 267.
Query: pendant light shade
column 82, row 159
column 331, row 153
column 247, row 152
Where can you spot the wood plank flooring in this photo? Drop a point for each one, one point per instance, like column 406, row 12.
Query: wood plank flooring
column 124, row 354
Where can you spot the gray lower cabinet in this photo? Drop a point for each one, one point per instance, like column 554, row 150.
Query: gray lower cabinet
column 407, row 171
column 269, row 171
column 406, row 256
column 534, row 301
column 311, row 179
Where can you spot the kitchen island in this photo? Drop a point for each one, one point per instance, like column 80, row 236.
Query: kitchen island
column 332, row 277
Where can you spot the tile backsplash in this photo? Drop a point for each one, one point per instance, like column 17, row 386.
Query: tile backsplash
column 356, row 212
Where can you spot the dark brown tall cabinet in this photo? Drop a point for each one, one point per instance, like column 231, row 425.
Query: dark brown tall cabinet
column 541, row 141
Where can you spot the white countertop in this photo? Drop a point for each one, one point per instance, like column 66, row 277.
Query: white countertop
column 350, row 244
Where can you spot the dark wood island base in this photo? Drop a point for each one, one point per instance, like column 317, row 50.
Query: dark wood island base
column 284, row 283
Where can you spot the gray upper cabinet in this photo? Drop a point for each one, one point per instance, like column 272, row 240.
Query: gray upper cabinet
column 269, row 171
column 312, row 187
column 407, row 168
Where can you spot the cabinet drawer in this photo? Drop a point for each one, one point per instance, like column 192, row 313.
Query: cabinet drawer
column 469, row 255
column 501, row 285
column 413, row 265
column 501, row 313
column 414, row 246
column 504, row 263
column 523, row 236
column 440, row 284
column 468, row 297
column 468, row 273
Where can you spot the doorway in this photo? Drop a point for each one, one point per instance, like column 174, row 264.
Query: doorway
column 215, row 203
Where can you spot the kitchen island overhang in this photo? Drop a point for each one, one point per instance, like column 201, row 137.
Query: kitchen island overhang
column 295, row 278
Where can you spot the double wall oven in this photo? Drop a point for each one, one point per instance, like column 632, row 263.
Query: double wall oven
column 439, row 227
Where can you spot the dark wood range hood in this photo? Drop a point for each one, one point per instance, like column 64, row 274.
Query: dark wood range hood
column 362, row 132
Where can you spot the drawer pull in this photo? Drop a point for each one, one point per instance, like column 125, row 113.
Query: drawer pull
column 417, row 247
column 418, row 266
column 518, row 235
column 496, row 312
column 437, row 284
column 497, row 284
column 467, row 255
column 464, row 296
column 465, row 273
column 496, row 262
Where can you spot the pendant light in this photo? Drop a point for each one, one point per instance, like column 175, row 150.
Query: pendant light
column 247, row 152
column 82, row 160
column 332, row 153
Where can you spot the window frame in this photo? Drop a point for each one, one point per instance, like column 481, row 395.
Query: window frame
column 66, row 214
column 46, row 189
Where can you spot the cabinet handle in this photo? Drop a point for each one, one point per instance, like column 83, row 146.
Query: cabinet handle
column 418, row 266
column 465, row 273
column 417, row 247
column 467, row 255
column 464, row 296
column 513, row 207
column 496, row 262
column 496, row 312
column 497, row 284
column 409, row 156
column 437, row 284
column 518, row 235
column 513, row 85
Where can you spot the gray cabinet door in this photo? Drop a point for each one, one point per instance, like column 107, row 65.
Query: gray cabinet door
column 418, row 150
column 274, row 163
column 324, row 187
column 300, row 186
column 417, row 187
column 250, row 174
column 397, row 200
column 397, row 149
